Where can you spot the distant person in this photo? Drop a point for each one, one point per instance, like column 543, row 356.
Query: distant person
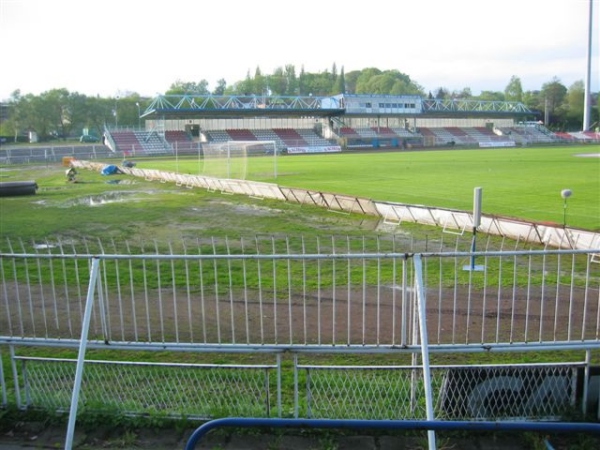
column 71, row 175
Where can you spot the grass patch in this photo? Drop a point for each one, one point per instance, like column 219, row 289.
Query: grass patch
column 154, row 214
column 517, row 182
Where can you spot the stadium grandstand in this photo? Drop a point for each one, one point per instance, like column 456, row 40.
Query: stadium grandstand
column 307, row 124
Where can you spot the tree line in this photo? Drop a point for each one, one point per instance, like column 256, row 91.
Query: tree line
column 59, row 113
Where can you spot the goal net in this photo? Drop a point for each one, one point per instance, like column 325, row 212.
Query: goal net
column 234, row 159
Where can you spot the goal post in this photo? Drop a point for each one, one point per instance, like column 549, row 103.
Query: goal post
column 235, row 159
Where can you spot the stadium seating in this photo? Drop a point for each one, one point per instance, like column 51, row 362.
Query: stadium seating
column 426, row 132
column 241, row 135
column 385, row 132
column 398, row 136
column 152, row 143
column 290, row 137
column 126, row 141
column 217, row 136
column 456, row 132
column 528, row 134
column 283, row 137
column 404, row 133
column 313, row 139
column 476, row 135
column 349, row 133
column 442, row 136
column 566, row 136
column 177, row 136
column 593, row 135
column 140, row 142
column 181, row 142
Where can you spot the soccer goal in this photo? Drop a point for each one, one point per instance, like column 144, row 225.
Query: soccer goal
column 240, row 159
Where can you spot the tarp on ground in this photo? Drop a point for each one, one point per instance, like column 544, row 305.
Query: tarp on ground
column 110, row 170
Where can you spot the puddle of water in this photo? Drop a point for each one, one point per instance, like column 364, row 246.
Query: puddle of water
column 106, row 198
column 43, row 246
column 120, row 182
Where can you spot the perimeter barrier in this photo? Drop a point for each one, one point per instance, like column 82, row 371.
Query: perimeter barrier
column 456, row 221
column 345, row 332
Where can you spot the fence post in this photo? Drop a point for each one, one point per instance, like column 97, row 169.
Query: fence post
column 421, row 309
column 3, row 384
column 85, row 326
column 13, row 363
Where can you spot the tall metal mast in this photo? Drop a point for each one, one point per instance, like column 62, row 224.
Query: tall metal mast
column 587, row 105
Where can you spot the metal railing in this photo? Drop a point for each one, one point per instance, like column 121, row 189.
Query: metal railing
column 412, row 425
column 281, row 294
column 304, row 298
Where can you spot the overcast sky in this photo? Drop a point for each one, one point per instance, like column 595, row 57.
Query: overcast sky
column 111, row 47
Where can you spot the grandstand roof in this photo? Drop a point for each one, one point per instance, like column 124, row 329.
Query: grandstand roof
column 471, row 108
column 215, row 106
column 185, row 106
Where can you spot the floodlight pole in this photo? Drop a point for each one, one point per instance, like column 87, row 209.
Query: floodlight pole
column 139, row 115
column 116, row 112
column 587, row 108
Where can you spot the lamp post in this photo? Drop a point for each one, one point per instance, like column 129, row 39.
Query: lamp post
column 565, row 194
column 139, row 115
column 116, row 112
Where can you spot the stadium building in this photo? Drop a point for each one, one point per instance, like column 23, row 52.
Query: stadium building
column 308, row 124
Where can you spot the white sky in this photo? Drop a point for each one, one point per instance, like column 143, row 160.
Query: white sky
column 111, row 47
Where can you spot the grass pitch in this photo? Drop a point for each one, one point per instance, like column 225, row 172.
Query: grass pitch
column 523, row 183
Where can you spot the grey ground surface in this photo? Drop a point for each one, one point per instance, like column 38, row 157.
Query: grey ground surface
column 37, row 435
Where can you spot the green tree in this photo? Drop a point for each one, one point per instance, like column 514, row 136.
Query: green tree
column 221, row 87
column 17, row 118
column 363, row 79
column 389, row 82
column 378, row 84
column 302, row 88
column 465, row 94
column 339, row 85
column 278, row 82
column 292, row 87
column 82, row 110
column 317, row 84
column 553, row 94
column 351, row 79
column 491, row 96
column 51, row 113
column 513, row 92
column 531, row 99
column 574, row 106
column 260, row 83
column 188, row 87
column 441, row 93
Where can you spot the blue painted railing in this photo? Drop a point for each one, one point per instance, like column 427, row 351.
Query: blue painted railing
column 553, row 427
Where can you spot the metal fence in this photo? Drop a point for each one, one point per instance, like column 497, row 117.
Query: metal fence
column 56, row 153
column 151, row 388
column 279, row 293
column 483, row 392
column 384, row 320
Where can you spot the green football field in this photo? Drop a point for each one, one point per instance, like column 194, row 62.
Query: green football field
column 523, row 183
